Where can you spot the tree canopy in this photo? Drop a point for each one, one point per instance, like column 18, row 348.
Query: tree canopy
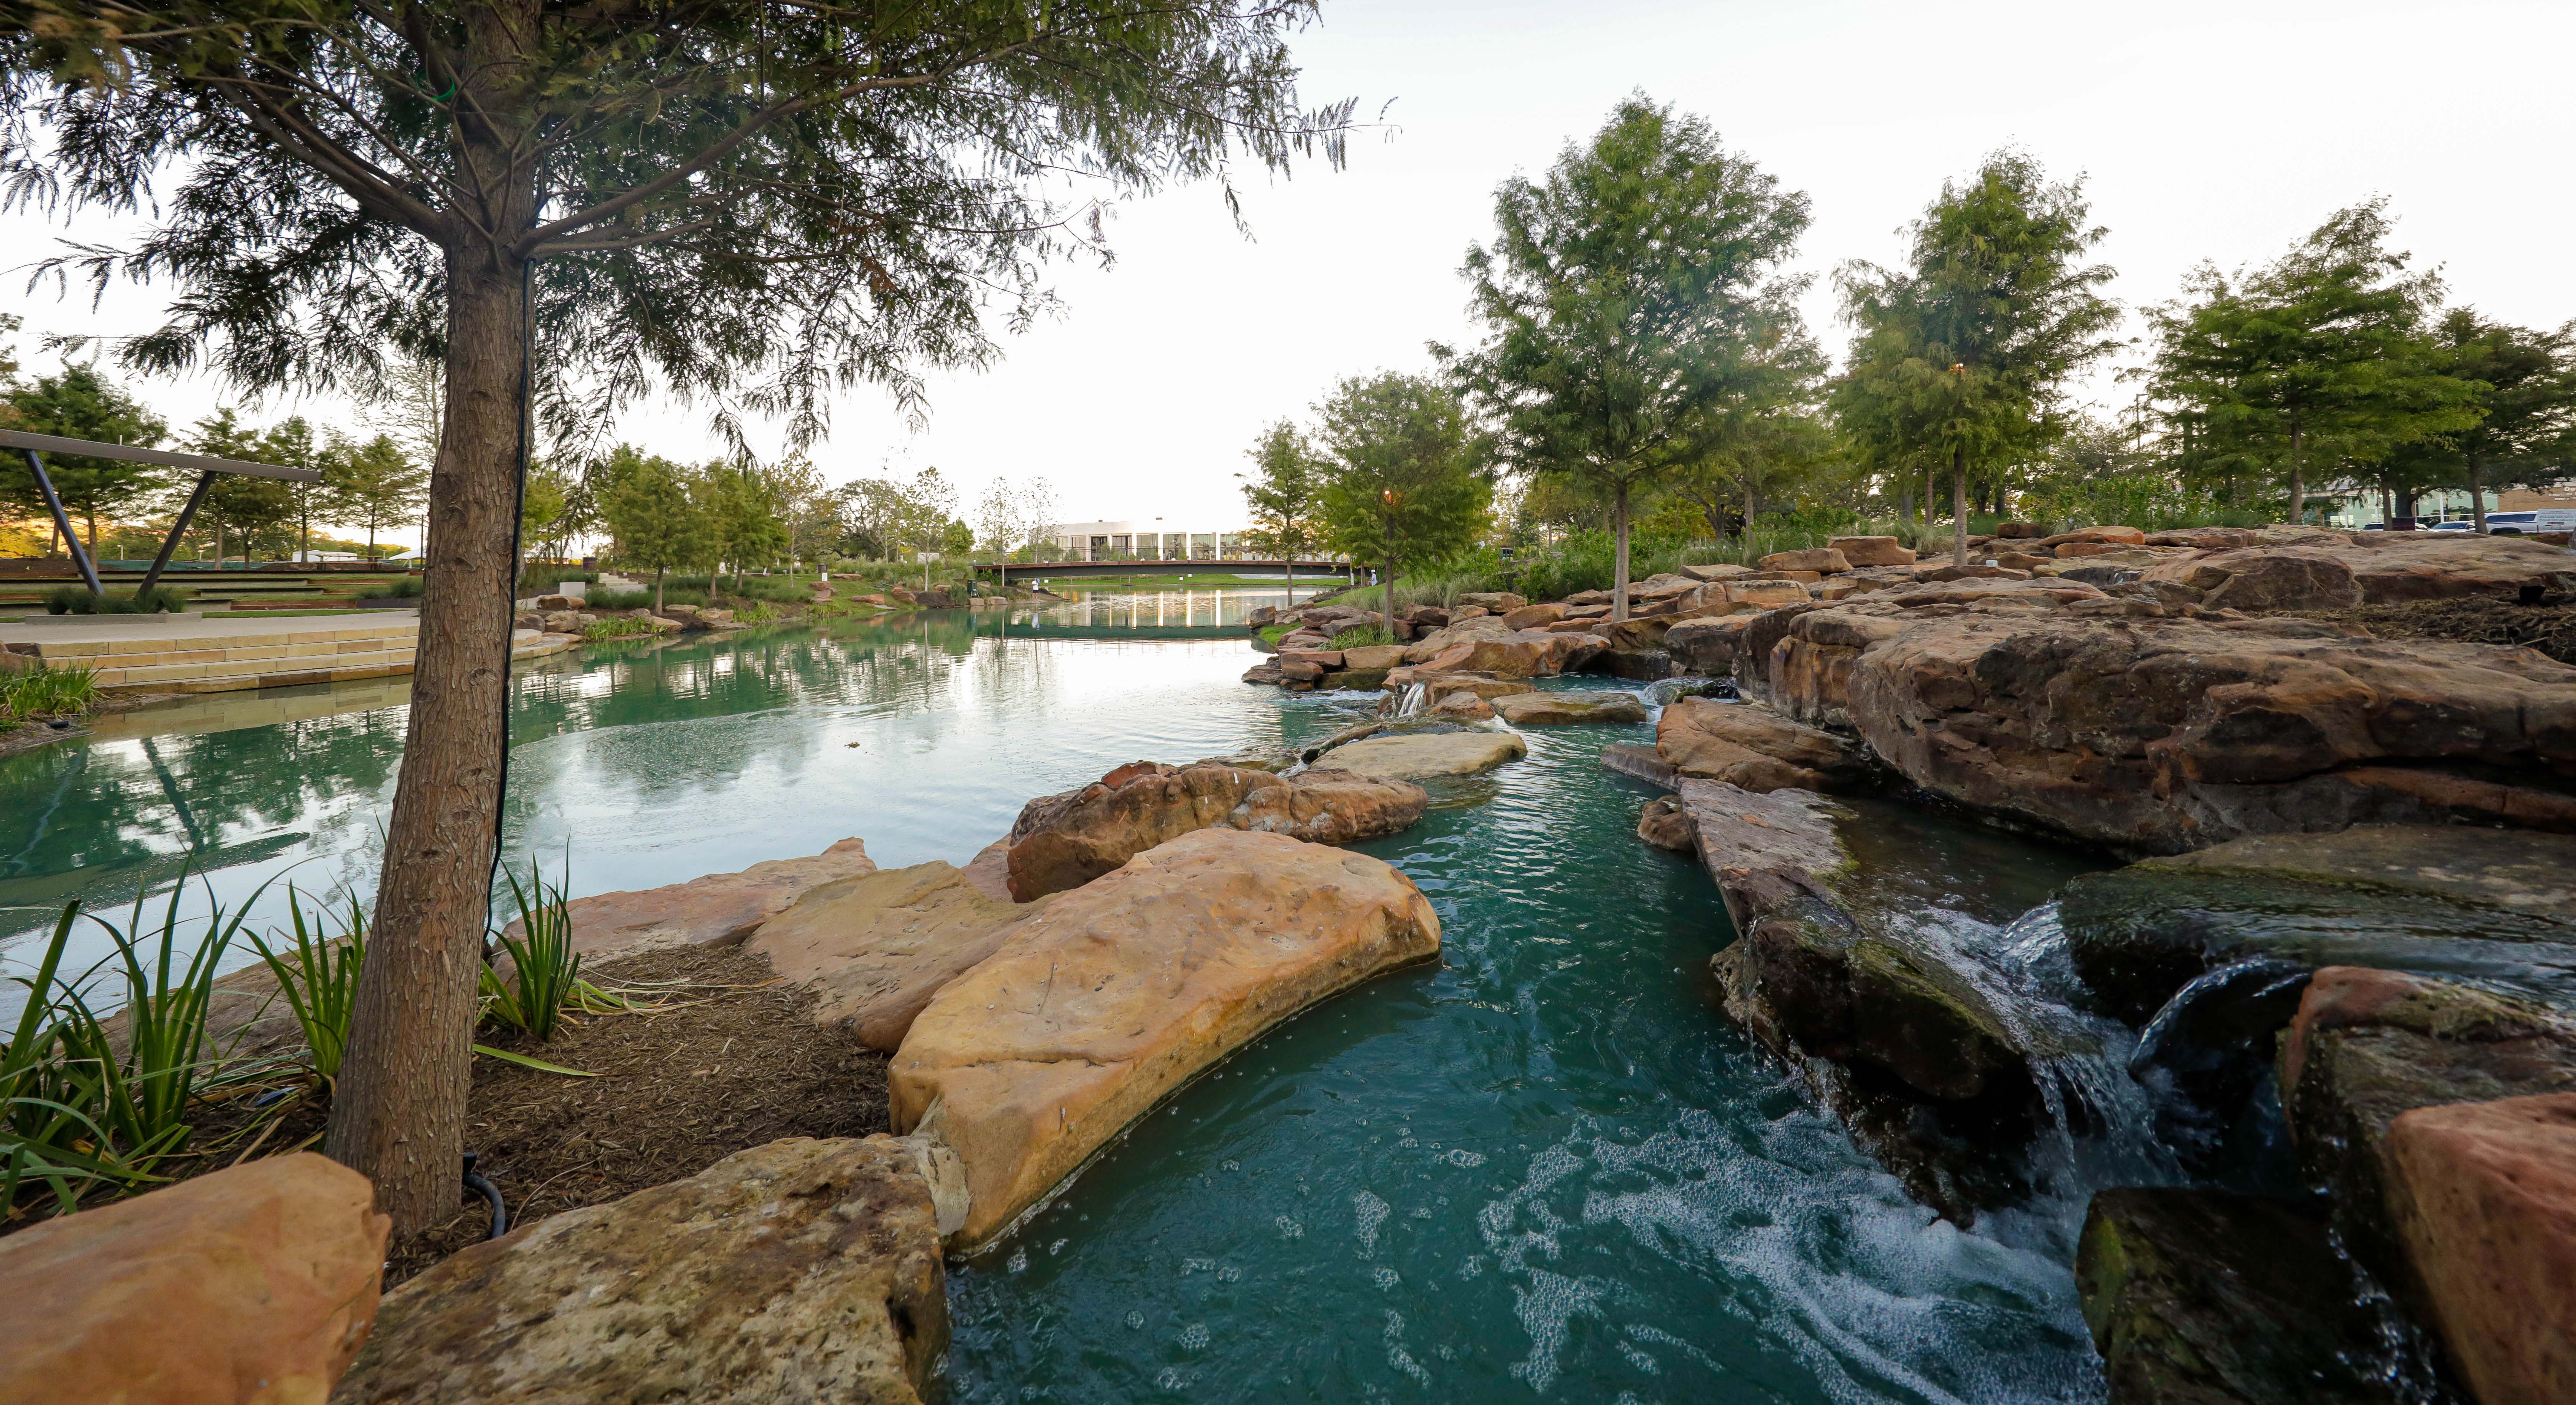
column 1401, row 482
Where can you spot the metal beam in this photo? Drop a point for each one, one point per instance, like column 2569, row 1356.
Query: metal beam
column 203, row 463
column 178, row 529
column 63, row 522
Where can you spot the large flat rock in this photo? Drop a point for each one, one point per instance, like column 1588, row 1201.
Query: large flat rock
column 1753, row 747
column 1553, row 709
column 2445, row 900
column 1123, row 989
column 877, row 947
column 254, row 1285
column 1423, row 755
column 2485, row 1202
column 1066, row 840
column 799, row 1272
column 710, row 911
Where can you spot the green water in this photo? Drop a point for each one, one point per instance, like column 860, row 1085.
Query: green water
column 1545, row 1168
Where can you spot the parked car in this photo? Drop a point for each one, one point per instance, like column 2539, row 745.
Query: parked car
column 2462, row 526
column 2546, row 519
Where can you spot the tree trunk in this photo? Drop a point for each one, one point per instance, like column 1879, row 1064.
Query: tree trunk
column 2477, row 497
column 1387, row 601
column 1959, row 507
column 657, row 588
column 1619, row 554
column 1905, row 498
column 2387, row 507
column 398, row 1113
column 2298, row 476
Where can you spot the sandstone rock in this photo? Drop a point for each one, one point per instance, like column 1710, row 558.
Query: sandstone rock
column 1265, row 673
column 1641, row 762
column 2485, row 1204
column 1338, row 628
column 1706, row 645
column 1500, row 602
column 875, row 948
column 1300, row 672
column 1326, row 659
column 1064, row 841
column 1441, row 688
column 1463, row 707
column 1095, row 1009
column 2447, row 900
column 1534, row 654
column 715, row 910
column 1974, row 570
column 1895, row 1041
column 1536, row 709
column 2169, row 734
column 1801, row 577
column 549, row 603
column 1373, row 656
column 1423, row 755
column 1720, row 572
column 1666, row 826
column 802, row 1270
column 2121, row 536
column 1756, row 749
column 2076, row 551
column 2209, row 1297
column 1768, row 594
column 559, row 622
column 255, row 1284
column 1261, row 616
column 2206, row 538
column 2367, row 1046
column 1533, row 616
column 1825, row 560
column 2392, row 567
column 1358, row 679
column 1634, row 633
column 1871, row 551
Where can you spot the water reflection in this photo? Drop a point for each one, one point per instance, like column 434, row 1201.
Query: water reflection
column 647, row 762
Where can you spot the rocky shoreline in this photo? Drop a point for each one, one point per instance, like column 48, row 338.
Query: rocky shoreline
column 2350, row 916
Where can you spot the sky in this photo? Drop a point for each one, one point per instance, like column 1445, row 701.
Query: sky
column 2204, row 132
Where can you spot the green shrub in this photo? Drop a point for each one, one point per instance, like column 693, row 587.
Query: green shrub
column 545, row 970
column 615, row 627
column 76, row 600
column 319, row 978
column 58, row 690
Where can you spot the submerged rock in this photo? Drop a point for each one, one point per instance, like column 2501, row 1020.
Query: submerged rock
column 2485, row 1203
column 1124, row 989
column 2449, row 900
column 1536, row 709
column 802, row 1270
column 1066, row 840
column 715, row 910
column 1422, row 755
column 254, row 1284
column 2206, row 1297
column 876, row 948
column 1899, row 1043
column 1756, row 748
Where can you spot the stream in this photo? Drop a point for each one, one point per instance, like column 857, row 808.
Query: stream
column 1545, row 1167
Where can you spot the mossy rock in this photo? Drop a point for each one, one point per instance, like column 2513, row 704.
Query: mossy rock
column 2455, row 901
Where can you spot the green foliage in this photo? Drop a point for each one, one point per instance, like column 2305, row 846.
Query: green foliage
column 1283, row 494
column 2521, row 385
column 1367, row 636
column 81, row 404
column 57, row 690
column 742, row 510
column 658, row 524
column 76, row 600
column 545, row 970
column 1401, row 487
column 615, row 627
column 1962, row 357
column 2314, row 360
column 404, row 587
column 318, row 976
column 374, row 485
column 1636, row 302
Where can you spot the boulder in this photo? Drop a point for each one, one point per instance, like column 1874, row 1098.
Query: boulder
column 2272, row 578
column 2484, row 1198
column 802, row 1270
column 1801, row 577
column 1265, row 673
column 1373, row 656
column 1304, row 672
column 1896, row 1041
column 1871, row 551
column 2368, row 1046
column 1441, row 688
column 2391, row 567
column 1641, row 762
column 1974, row 570
column 1719, row 572
column 1533, row 654
column 2016, row 530
column 1755, row 748
column 1462, row 707
column 2109, row 720
column 1064, row 841
column 875, row 948
column 1338, row 628
column 1261, row 616
column 1500, row 602
column 1327, row 659
column 1122, row 991
column 560, row 622
column 2207, row 1297
column 2451, row 900
column 557, row 602
column 1536, row 709
column 254, row 1285
column 2206, row 538
column 1824, row 560
column 1667, row 826
column 2117, row 536
column 716, row 910
column 1422, row 755
column 1770, row 595
column 1707, row 644
column 1533, row 616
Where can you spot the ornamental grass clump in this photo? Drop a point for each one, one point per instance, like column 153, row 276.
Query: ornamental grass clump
column 318, row 977
column 48, row 690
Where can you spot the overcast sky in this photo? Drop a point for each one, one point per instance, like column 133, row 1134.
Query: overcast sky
column 2204, row 131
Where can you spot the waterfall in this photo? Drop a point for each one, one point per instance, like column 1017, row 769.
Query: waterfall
column 1415, row 698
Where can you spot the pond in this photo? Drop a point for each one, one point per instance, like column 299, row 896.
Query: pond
column 1544, row 1168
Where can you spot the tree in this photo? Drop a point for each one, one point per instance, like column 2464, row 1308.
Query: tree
column 81, row 404
column 1963, row 355
column 1767, row 452
column 2317, row 356
column 292, row 444
column 1401, row 484
column 743, row 525
column 542, row 504
column 659, row 525
column 237, row 502
column 374, row 485
column 1632, row 300
column 871, row 514
column 1284, row 496
column 759, row 204
column 1036, row 512
column 2521, row 385
column 804, row 504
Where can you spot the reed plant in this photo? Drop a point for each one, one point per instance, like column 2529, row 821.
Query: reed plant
column 65, row 690
column 318, row 976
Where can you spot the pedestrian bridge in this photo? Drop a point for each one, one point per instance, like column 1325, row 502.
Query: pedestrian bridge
column 1076, row 570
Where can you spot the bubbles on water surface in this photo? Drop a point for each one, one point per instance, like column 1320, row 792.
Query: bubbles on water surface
column 1371, row 1212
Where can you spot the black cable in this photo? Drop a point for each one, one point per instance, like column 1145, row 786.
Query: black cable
column 490, row 1192
column 518, row 524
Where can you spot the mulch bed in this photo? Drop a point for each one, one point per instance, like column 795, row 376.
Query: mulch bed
column 2549, row 626
column 676, row 1093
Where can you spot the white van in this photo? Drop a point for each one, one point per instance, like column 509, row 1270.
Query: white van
column 2545, row 519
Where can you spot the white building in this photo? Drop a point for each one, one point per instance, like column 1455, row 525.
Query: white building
column 1155, row 539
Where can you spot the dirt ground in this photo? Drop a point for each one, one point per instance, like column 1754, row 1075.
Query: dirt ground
column 2549, row 626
